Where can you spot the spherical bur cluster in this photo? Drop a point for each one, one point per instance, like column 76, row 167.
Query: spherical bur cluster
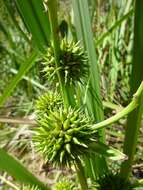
column 64, row 184
column 48, row 101
column 113, row 182
column 73, row 63
column 63, row 136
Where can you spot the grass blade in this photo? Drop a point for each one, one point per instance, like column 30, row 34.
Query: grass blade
column 36, row 19
column 17, row 170
column 94, row 102
column 23, row 69
column 107, row 151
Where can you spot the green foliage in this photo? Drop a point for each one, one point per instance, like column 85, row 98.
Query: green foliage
column 23, row 69
column 17, row 170
column 93, row 100
column 36, row 19
column 72, row 61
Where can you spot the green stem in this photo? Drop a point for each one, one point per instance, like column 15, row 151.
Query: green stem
column 131, row 137
column 81, row 176
column 67, row 91
column 133, row 104
column 134, row 118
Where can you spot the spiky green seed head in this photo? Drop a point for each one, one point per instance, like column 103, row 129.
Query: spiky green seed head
column 63, row 136
column 28, row 187
column 48, row 101
column 64, row 184
column 73, row 63
column 113, row 182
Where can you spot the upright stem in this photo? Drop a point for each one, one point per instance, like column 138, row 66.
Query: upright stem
column 134, row 118
column 67, row 91
column 81, row 176
column 131, row 137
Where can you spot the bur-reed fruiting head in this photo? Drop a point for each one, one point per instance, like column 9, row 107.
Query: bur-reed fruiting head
column 72, row 62
column 48, row 102
column 63, row 136
column 64, row 184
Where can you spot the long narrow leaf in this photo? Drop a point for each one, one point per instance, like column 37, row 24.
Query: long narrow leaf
column 107, row 151
column 23, row 69
column 36, row 19
column 94, row 104
column 83, row 28
column 18, row 171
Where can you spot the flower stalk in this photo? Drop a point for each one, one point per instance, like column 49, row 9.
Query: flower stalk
column 125, row 111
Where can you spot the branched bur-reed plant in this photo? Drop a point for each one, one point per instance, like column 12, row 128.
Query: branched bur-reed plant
column 65, row 133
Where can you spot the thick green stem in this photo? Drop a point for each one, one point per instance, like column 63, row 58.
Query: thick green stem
column 134, row 118
column 134, row 104
column 131, row 137
column 81, row 176
column 67, row 91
